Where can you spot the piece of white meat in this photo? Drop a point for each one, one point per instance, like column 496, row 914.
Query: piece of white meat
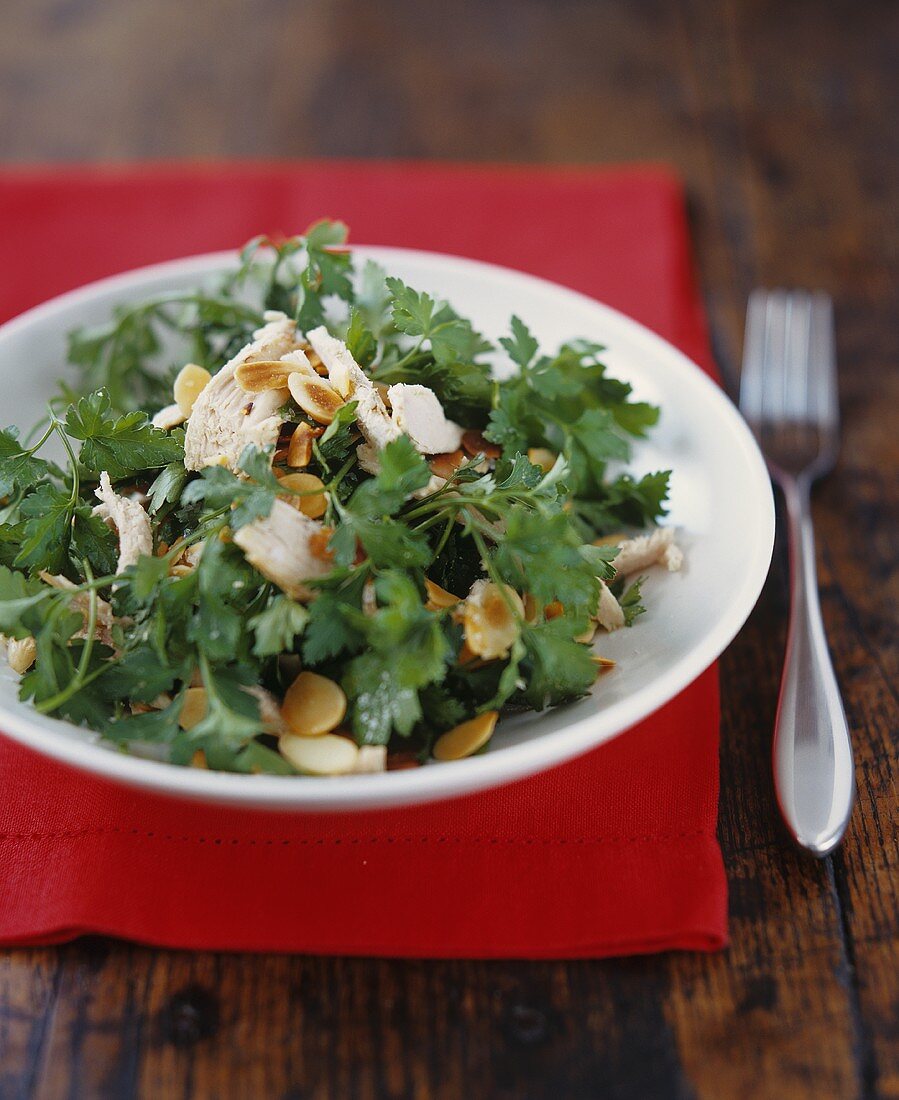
column 657, row 548
column 225, row 418
column 287, row 547
column 417, row 412
column 130, row 520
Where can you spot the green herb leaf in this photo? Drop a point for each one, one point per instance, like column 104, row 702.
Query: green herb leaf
column 122, row 446
column 277, row 627
column 18, row 468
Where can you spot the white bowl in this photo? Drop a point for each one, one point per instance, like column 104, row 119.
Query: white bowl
column 721, row 502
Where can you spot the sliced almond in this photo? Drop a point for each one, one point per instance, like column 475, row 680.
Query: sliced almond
column 21, row 653
column 198, row 760
column 169, row 417
column 325, row 755
column 316, row 398
column 402, row 761
column 263, row 374
column 313, row 705
column 553, row 610
column 194, row 710
column 603, row 664
column 446, row 465
column 540, row 456
column 489, row 621
column 313, row 503
column 371, row 758
column 475, row 443
column 438, row 598
column 467, row 738
column 189, row 384
column 314, row 360
column 318, row 544
column 299, row 450
column 383, row 392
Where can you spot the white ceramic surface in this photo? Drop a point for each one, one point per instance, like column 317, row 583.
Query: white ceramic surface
column 721, row 501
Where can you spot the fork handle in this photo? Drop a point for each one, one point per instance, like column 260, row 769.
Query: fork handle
column 813, row 770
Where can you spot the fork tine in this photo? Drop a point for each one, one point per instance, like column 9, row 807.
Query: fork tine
column 822, row 357
column 797, row 396
column 753, row 356
column 774, row 368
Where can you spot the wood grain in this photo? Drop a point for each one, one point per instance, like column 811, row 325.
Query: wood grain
column 782, row 120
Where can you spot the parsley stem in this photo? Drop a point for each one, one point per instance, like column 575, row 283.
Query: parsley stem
column 495, row 577
column 34, row 448
column 57, row 425
column 79, row 679
column 444, row 538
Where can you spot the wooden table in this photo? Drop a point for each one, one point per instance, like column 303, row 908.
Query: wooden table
column 782, row 118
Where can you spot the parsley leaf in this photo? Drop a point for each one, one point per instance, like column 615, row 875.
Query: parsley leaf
column 19, row 469
column 521, row 346
column 558, row 668
column 541, row 554
column 48, row 528
column 277, row 626
column 250, row 498
column 122, row 446
column 407, row 649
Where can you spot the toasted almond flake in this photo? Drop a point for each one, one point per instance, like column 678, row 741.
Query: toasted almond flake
column 553, row 610
column 299, row 451
column 488, row 619
column 318, row 544
column 299, row 362
column 611, row 540
column 198, row 760
column 383, row 392
column 189, row 384
column 402, row 761
column 466, row 738
column 603, row 663
column 169, row 417
column 475, row 443
column 313, row 705
column 540, row 456
column 445, row 465
column 194, row 709
column 259, row 375
column 371, row 758
column 438, row 598
column 315, row 360
column 466, row 654
column 313, row 503
column 21, row 653
column 316, row 397
column 325, row 755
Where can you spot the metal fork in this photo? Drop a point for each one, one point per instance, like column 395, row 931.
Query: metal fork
column 788, row 394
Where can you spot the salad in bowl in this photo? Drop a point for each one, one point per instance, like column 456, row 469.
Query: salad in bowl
column 296, row 525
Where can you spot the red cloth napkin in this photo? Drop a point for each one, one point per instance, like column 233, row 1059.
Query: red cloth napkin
column 614, row 853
